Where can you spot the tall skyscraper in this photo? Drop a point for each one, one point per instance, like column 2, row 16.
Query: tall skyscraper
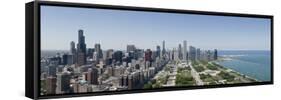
column 81, row 49
column 180, row 55
column 163, row 49
column 81, row 46
column 192, row 53
column 73, row 51
column 173, row 54
column 158, row 51
column 131, row 48
column 209, row 55
column 215, row 54
column 185, row 50
column 98, row 50
column 64, row 59
column 109, row 56
column 70, row 60
column 117, row 56
column 198, row 54
column 72, row 48
column 90, row 52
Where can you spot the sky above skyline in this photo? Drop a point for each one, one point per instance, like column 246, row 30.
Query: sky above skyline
column 114, row 29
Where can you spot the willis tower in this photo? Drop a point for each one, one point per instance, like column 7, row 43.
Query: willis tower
column 81, row 49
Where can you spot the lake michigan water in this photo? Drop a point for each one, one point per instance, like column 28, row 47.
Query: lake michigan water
column 253, row 63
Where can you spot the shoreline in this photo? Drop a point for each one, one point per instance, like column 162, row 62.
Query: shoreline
column 237, row 72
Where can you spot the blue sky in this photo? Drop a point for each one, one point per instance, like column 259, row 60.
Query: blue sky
column 114, row 29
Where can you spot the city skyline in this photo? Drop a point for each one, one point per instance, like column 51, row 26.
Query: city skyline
column 113, row 50
column 150, row 30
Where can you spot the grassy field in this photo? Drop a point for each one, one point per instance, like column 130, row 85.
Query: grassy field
column 184, row 77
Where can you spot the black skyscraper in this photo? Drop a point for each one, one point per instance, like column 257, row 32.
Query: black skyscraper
column 180, row 55
column 163, row 50
column 81, row 49
column 215, row 54
column 158, row 51
column 117, row 56
column 81, row 46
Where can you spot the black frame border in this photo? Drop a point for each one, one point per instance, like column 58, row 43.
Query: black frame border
column 37, row 47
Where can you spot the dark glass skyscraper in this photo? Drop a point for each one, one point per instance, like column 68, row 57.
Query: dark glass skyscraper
column 215, row 54
column 81, row 46
column 180, row 55
column 117, row 56
column 158, row 51
column 163, row 50
column 131, row 48
column 81, row 49
column 192, row 53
